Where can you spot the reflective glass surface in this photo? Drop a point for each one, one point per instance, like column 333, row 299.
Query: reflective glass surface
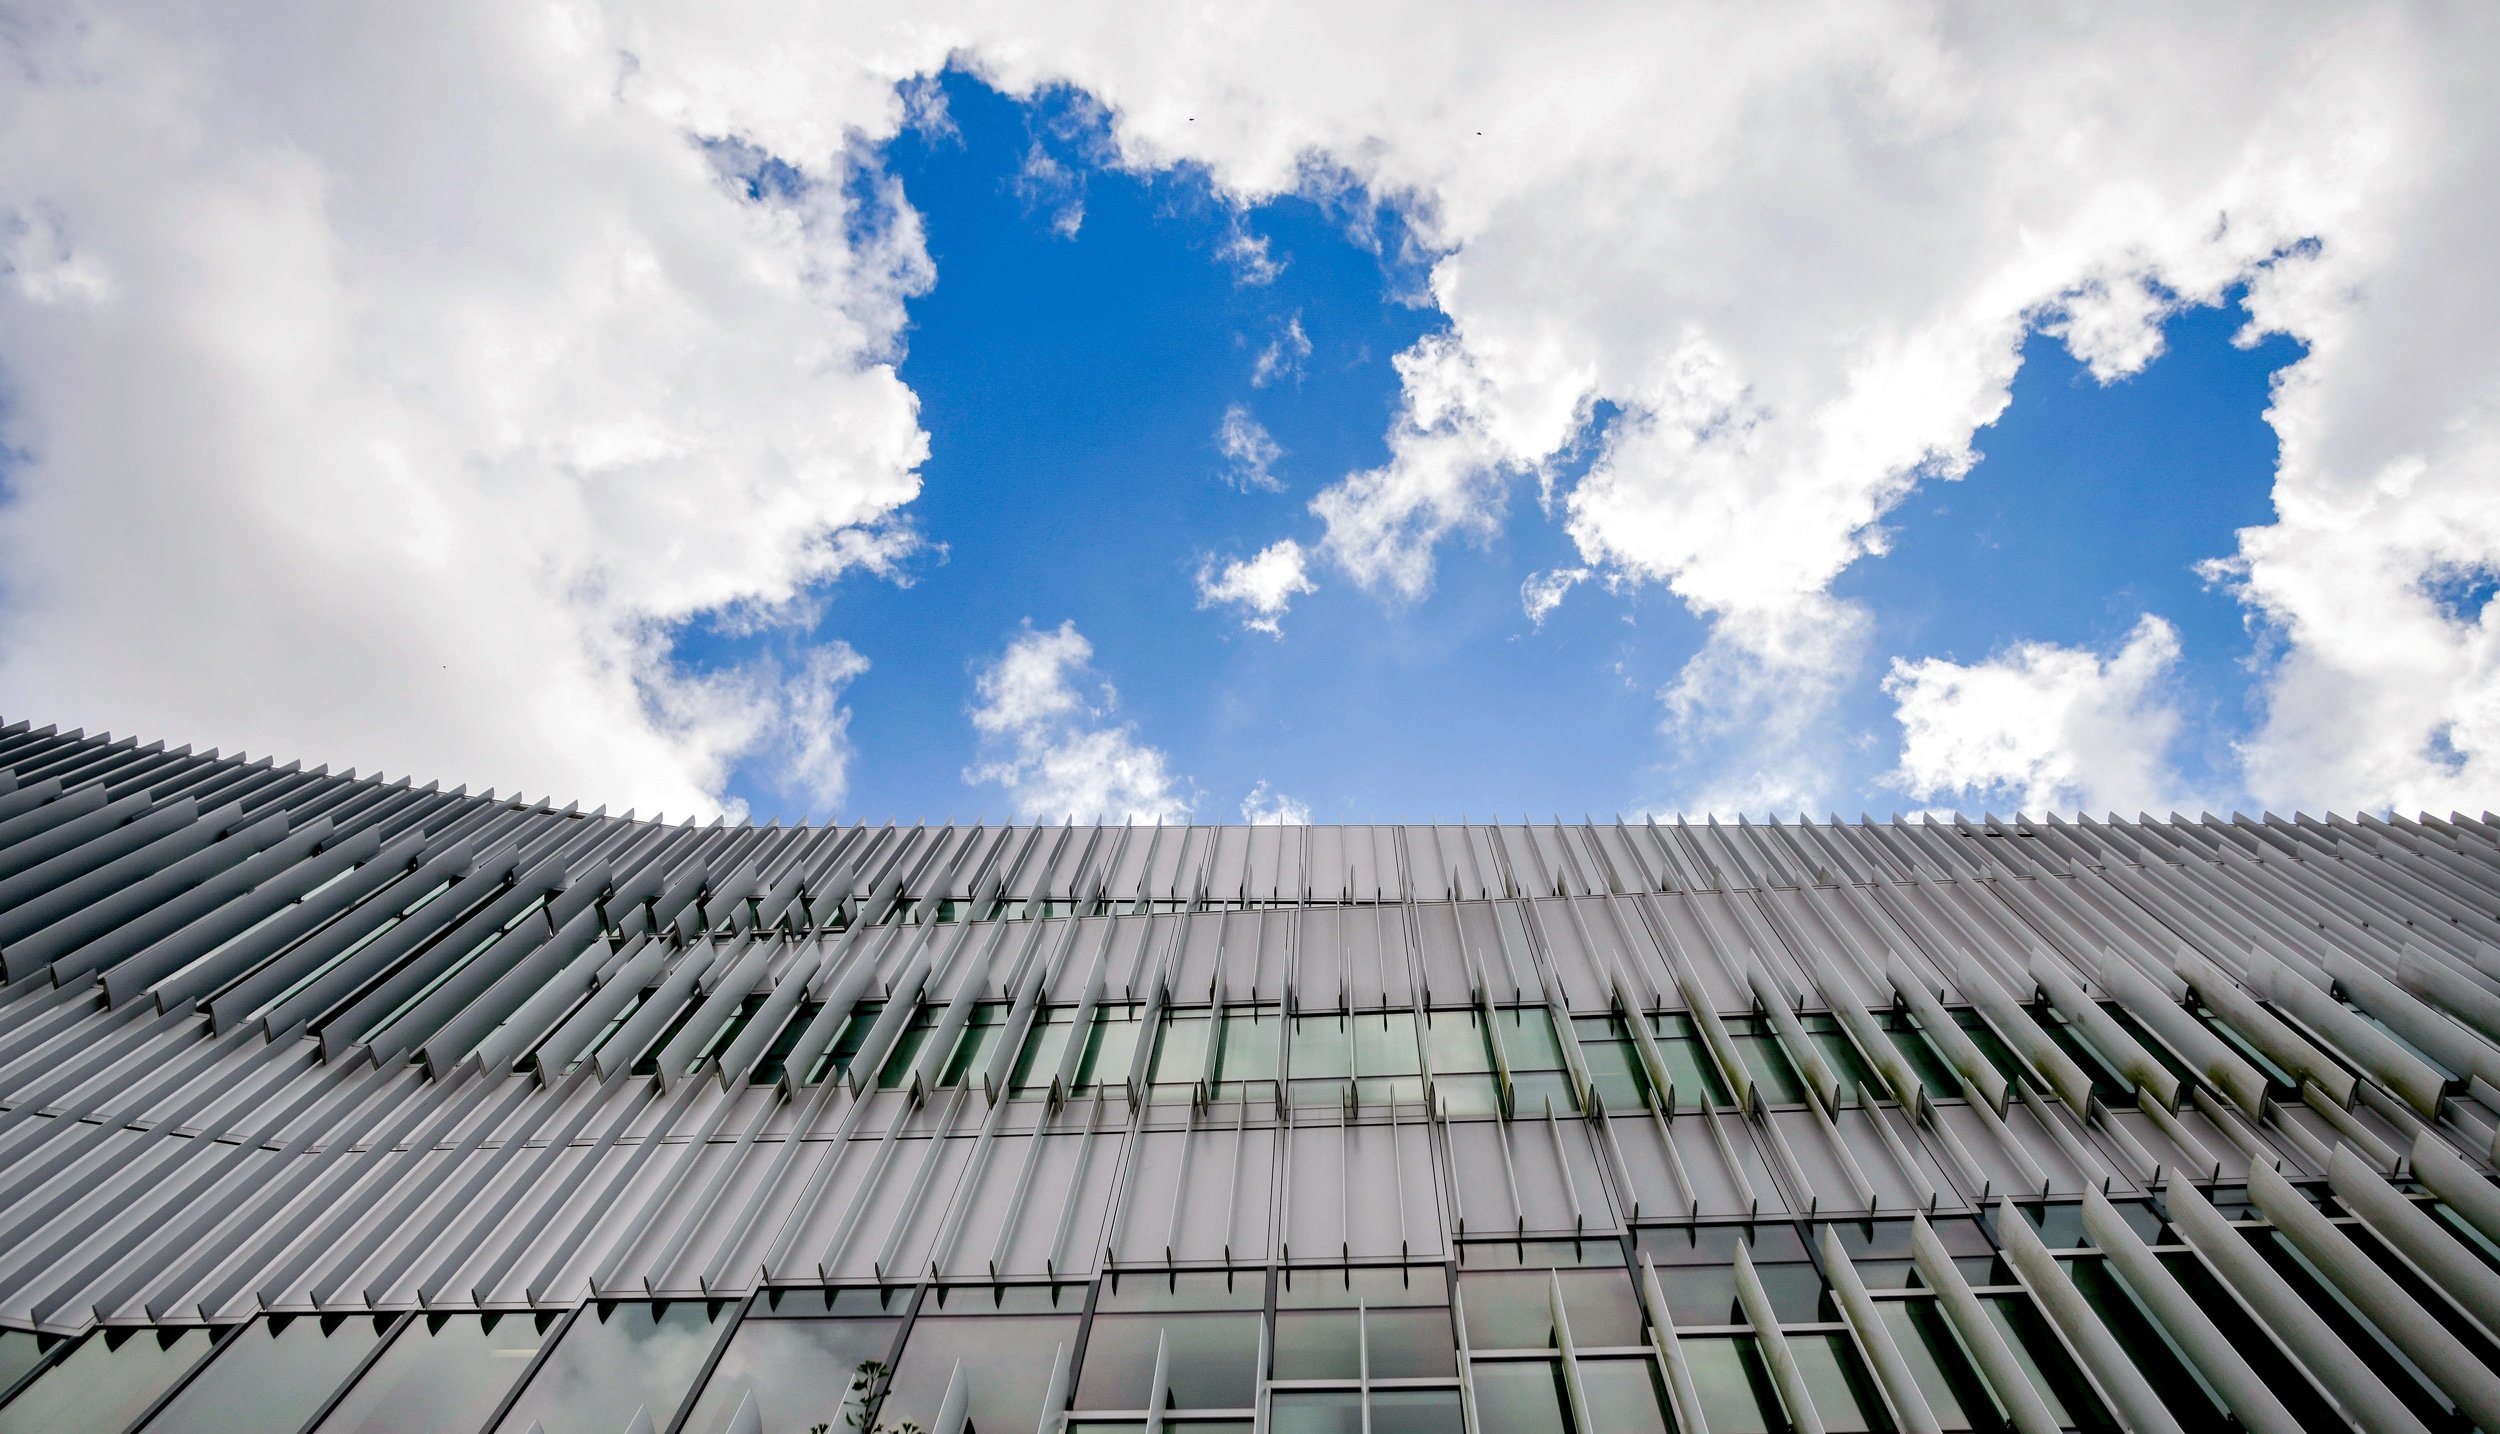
column 274, row 1375
column 105, row 1383
column 1836, row 1382
column 1316, row 1412
column 1513, row 1309
column 1417, row 1411
column 1734, row 1386
column 1524, row 1397
column 20, row 1351
column 1625, row 1395
column 1317, row 1344
column 441, row 1373
column 797, row 1369
column 614, row 1359
column 1006, row 1361
column 1213, row 1361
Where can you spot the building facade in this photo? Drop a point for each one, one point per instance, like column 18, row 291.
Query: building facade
column 341, row 1104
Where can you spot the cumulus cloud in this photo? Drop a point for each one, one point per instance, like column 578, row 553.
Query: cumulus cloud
column 1264, row 586
column 1798, row 257
column 1283, row 357
column 498, row 390
column 1249, row 454
column 1544, row 592
column 2044, row 727
column 385, row 387
column 1051, row 745
column 1265, row 808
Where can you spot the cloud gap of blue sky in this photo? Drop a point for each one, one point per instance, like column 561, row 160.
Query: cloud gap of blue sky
column 1076, row 373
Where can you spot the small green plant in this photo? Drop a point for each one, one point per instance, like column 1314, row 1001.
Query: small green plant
column 869, row 1383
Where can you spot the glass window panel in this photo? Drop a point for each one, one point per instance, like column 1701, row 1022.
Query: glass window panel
column 2145, row 1342
column 1931, row 1068
column 1615, row 1070
column 1542, row 1255
column 776, row 1056
column 442, row 1372
column 1733, row 1385
column 1918, row 1330
column 1522, row 1397
column 1384, row 1045
column 1795, row 1291
column 1004, row 1300
column 1839, row 1052
column 982, row 1031
column 898, row 1062
column 1323, row 1049
column 614, row 1359
column 1471, row 1093
column 1344, row 1288
column 1313, row 1411
column 1417, row 1411
column 1533, row 1091
column 1528, row 1038
column 1457, row 1042
column 1513, row 1309
column 1411, row 1343
column 106, row 1382
column 20, row 1352
column 274, row 1375
column 2027, row 1335
column 1835, row 1382
column 1317, row 1344
column 2273, row 1366
column 1688, row 1061
column 1249, row 1049
column 866, row 1300
column 1006, row 1360
column 798, row 1370
column 1208, row 1290
column 1045, row 1045
column 1625, row 1395
column 1767, row 1064
column 1180, row 1051
column 1212, row 1361
column 855, row 1027
column 1110, row 1047
column 2107, row 1083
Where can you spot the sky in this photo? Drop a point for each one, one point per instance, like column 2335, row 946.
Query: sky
column 1308, row 414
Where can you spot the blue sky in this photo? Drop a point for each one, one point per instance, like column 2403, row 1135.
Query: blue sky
column 826, row 413
column 1072, row 386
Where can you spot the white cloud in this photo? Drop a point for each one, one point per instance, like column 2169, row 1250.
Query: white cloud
column 1265, row 585
column 1800, row 257
column 308, row 360
column 1247, row 253
column 2043, row 727
column 386, row 386
column 1050, row 746
column 818, row 762
column 1249, row 454
column 1265, row 808
column 1283, row 357
column 1544, row 592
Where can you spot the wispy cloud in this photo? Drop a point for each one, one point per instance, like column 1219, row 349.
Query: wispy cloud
column 1266, row 808
column 1284, row 355
column 1248, row 254
column 1249, row 454
column 1544, row 592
